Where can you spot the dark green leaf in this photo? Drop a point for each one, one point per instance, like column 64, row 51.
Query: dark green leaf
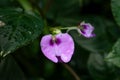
column 19, row 28
column 116, row 10
column 114, row 55
column 9, row 69
column 99, row 69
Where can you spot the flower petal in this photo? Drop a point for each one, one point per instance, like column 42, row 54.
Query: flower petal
column 66, row 47
column 48, row 49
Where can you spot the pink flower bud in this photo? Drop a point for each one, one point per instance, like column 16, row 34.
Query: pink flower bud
column 86, row 30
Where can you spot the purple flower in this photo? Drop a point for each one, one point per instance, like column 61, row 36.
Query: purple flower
column 58, row 48
column 86, row 30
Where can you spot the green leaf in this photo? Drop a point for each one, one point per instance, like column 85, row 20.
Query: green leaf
column 9, row 69
column 114, row 55
column 99, row 69
column 19, row 29
column 115, row 4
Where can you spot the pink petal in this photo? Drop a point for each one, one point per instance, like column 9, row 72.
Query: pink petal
column 66, row 47
column 47, row 49
column 87, row 30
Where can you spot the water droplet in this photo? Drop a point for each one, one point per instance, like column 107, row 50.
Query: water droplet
column 1, row 16
column 2, row 24
column 29, row 32
column 36, row 26
column 6, row 53
column 1, row 53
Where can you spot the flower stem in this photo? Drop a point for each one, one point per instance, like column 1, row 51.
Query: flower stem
column 69, row 28
column 74, row 27
column 71, row 71
column 25, row 4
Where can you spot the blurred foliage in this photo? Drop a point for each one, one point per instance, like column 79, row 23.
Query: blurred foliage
column 99, row 69
column 114, row 55
column 9, row 69
column 94, row 59
column 115, row 9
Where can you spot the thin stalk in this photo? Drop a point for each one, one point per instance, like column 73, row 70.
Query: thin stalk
column 69, row 28
column 71, row 71
column 74, row 27
column 25, row 4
